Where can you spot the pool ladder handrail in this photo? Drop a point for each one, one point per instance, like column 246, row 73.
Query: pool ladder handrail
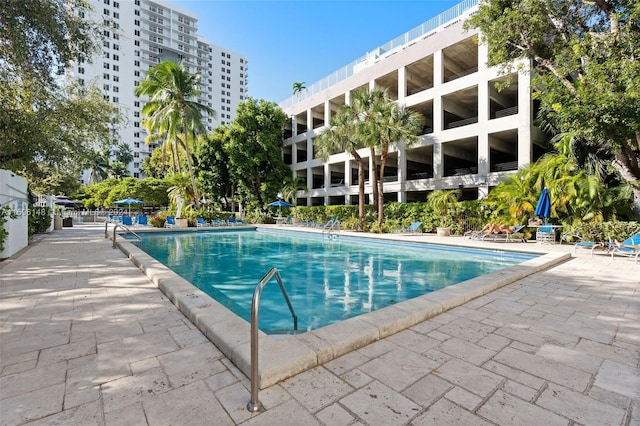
column 329, row 227
column 254, row 405
column 127, row 231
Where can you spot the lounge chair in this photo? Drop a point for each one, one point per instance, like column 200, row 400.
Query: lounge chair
column 505, row 233
column 141, row 221
column 414, row 228
column 217, row 222
column 170, row 222
column 201, row 223
column 629, row 247
column 126, row 220
column 488, row 229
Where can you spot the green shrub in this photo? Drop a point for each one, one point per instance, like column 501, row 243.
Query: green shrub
column 39, row 219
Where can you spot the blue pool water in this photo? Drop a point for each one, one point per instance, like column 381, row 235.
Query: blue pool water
column 327, row 280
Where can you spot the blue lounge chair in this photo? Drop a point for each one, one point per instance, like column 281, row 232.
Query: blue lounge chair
column 217, row 222
column 126, row 220
column 201, row 223
column 413, row 228
column 629, row 247
column 141, row 220
column 170, row 222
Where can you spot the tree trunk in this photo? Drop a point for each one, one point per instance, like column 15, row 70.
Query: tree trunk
column 357, row 157
column 373, row 174
column 626, row 163
column 383, row 162
column 196, row 196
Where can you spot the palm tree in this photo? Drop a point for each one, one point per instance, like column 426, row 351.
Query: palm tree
column 170, row 110
column 98, row 164
column 397, row 125
column 291, row 188
column 341, row 136
column 382, row 123
column 298, row 86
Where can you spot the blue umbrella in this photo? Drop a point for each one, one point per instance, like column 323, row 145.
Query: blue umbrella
column 543, row 208
column 129, row 201
column 280, row 203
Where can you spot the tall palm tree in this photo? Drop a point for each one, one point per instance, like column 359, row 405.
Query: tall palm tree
column 171, row 109
column 98, row 164
column 397, row 125
column 382, row 123
column 341, row 136
column 291, row 188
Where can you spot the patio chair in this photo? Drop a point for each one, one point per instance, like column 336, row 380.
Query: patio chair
column 629, row 247
column 170, row 222
column 414, row 228
column 217, row 222
column 488, row 229
column 505, row 233
column 126, row 220
column 201, row 223
column 141, row 220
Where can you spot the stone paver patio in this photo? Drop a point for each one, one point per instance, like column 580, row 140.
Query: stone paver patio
column 86, row 338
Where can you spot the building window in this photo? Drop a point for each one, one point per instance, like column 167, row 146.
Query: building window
column 105, row 76
column 106, row 33
column 116, row 14
column 137, row 2
column 116, row 78
column 136, row 73
column 116, row 46
column 116, row 4
column 116, row 67
column 136, row 63
column 136, row 155
column 116, row 57
column 136, row 33
column 136, row 175
column 116, row 89
column 136, row 113
column 116, row 99
column 105, row 44
column 136, row 42
column 136, row 12
column 106, row 2
column 81, row 81
column 105, row 66
column 136, row 124
column 80, row 70
column 116, row 37
column 136, row 23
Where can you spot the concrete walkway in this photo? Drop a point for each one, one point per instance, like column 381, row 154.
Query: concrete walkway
column 86, row 339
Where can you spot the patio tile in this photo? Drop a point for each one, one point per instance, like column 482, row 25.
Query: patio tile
column 376, row 403
column 505, row 409
column 129, row 390
column 446, row 413
column 467, row 351
column 427, row 390
column 335, row 415
column 619, row 378
column 399, row 368
column 316, row 388
column 193, row 404
column 546, row 369
column 468, row 376
column 39, row 403
column 282, row 415
column 580, row 408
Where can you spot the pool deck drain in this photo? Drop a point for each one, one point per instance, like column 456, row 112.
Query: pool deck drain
column 285, row 356
column 87, row 339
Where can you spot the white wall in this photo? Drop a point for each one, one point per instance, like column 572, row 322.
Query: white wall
column 13, row 193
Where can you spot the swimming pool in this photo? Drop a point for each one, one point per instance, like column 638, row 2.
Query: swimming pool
column 327, row 280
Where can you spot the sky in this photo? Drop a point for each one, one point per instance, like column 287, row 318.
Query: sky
column 304, row 40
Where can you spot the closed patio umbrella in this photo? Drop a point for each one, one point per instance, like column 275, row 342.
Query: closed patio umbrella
column 543, row 208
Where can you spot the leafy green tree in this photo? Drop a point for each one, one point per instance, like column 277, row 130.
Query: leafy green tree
column 585, row 67
column 339, row 137
column 118, row 170
column 171, row 111
column 48, row 123
column 254, row 147
column 213, row 166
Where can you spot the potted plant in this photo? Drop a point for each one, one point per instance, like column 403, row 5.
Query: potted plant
column 439, row 201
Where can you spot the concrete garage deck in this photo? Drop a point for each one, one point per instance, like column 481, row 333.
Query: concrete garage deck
column 86, row 338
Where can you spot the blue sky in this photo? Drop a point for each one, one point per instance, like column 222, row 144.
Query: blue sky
column 304, row 40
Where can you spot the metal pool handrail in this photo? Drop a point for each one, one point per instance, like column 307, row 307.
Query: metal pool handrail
column 255, row 405
column 126, row 229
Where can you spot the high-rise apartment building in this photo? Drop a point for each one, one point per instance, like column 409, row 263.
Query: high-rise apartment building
column 473, row 136
column 137, row 35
